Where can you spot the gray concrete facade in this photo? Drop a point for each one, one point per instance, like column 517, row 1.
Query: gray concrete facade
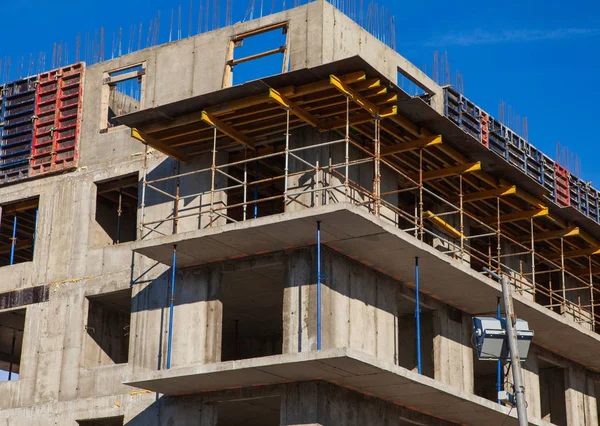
column 244, row 342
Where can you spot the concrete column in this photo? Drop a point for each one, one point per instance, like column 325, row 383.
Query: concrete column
column 197, row 319
column 299, row 298
column 580, row 398
column 452, row 350
column 300, row 404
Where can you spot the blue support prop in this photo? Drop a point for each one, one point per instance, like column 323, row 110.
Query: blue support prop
column 418, row 316
column 499, row 373
column 14, row 241
column 318, row 285
column 171, row 300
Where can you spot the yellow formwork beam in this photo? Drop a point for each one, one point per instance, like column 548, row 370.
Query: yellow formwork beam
column 591, row 251
column 442, row 224
column 158, row 145
column 354, row 95
column 292, row 106
column 514, row 217
column 553, row 235
column 424, row 142
column 490, row 193
column 452, row 171
column 227, row 130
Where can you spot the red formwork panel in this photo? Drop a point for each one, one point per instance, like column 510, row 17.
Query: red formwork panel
column 561, row 183
column 58, row 116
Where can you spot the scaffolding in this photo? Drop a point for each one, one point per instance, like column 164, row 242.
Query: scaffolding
column 342, row 140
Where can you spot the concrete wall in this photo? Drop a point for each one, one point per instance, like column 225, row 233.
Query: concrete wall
column 360, row 306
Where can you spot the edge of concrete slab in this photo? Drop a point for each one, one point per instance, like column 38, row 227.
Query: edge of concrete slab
column 354, row 232
column 343, row 367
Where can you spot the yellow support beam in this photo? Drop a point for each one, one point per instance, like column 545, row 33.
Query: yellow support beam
column 503, row 191
column 534, row 201
column 586, row 271
column 451, row 171
column 319, row 86
column 514, row 217
column 358, row 119
column 158, row 145
column 292, row 106
column 370, row 83
column 580, row 253
column 553, row 235
column 354, row 95
column 227, row 129
column 424, row 142
column 442, row 224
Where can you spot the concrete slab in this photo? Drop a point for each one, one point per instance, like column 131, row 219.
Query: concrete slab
column 353, row 231
column 351, row 369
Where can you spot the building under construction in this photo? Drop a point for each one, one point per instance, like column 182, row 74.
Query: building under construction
column 180, row 246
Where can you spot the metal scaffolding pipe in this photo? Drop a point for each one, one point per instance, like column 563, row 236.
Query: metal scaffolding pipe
column 499, row 366
column 171, row 302
column 418, row 315
column 13, row 242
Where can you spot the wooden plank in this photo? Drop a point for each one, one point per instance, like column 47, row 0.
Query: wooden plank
column 158, row 145
column 423, row 142
column 227, row 129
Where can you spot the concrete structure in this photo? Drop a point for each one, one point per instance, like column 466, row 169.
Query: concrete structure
column 222, row 203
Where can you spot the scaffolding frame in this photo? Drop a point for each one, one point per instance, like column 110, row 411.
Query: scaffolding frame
column 480, row 220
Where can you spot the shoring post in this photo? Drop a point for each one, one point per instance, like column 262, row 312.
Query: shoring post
column 462, row 219
column 12, row 354
column 13, row 242
column 418, row 315
column 347, row 158
column 119, row 214
column 319, row 285
column 377, row 180
column 562, row 275
column 213, row 171
column 421, row 224
column 317, row 178
column 255, row 213
column 592, row 294
column 144, row 180
column 287, row 159
column 177, row 193
column 499, row 366
column 245, row 206
column 532, row 256
column 171, row 303
column 498, row 236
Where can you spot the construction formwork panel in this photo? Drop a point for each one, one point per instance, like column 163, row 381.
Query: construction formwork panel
column 564, row 188
column 16, row 128
column 58, row 111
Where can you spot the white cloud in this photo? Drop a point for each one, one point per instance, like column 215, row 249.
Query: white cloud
column 511, row 36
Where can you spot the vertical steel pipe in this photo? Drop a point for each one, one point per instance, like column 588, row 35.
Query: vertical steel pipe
column 418, row 315
column 171, row 307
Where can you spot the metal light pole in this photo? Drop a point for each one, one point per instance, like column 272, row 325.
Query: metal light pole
column 515, row 360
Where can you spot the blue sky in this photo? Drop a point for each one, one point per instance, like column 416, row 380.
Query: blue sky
column 539, row 57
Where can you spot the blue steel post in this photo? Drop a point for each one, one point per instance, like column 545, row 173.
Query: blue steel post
column 418, row 315
column 34, row 231
column 318, row 285
column 499, row 373
column 256, row 190
column 13, row 241
column 171, row 300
